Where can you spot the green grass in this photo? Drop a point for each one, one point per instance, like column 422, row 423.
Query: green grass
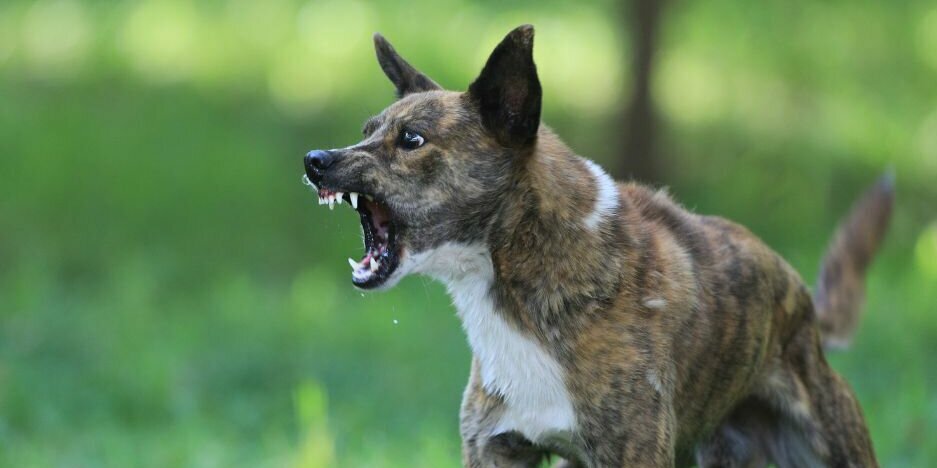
column 169, row 294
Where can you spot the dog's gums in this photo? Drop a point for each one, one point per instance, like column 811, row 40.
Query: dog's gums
column 381, row 255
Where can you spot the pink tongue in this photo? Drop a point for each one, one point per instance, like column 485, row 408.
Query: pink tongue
column 365, row 261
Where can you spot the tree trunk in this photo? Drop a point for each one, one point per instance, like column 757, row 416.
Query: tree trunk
column 640, row 156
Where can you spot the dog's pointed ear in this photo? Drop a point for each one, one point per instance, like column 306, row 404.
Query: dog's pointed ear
column 406, row 78
column 508, row 91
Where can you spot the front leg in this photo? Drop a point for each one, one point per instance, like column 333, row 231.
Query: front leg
column 482, row 446
column 508, row 450
column 643, row 438
column 627, row 419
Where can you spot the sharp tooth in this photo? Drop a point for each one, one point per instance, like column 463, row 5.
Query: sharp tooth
column 331, row 202
column 353, row 263
column 338, row 197
column 321, row 201
column 369, row 197
column 375, row 265
column 354, row 200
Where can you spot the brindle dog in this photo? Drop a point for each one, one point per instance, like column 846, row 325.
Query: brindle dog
column 608, row 325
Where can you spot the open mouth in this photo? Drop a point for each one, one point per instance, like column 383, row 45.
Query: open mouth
column 381, row 256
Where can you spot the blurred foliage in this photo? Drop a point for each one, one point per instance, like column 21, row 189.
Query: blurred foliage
column 171, row 295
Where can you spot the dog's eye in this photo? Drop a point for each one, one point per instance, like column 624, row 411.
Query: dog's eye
column 411, row 140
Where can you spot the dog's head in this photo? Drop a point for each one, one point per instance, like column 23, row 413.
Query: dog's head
column 435, row 166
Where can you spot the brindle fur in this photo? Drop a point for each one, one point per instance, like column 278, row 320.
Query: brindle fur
column 683, row 338
column 840, row 286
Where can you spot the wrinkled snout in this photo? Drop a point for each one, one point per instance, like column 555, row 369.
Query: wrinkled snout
column 317, row 162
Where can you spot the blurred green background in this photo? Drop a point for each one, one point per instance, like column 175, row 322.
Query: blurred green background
column 171, row 295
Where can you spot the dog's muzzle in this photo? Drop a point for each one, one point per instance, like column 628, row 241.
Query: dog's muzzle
column 379, row 229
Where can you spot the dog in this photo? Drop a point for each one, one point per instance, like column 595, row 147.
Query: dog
column 608, row 326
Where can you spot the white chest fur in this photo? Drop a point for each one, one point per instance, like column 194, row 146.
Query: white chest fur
column 512, row 364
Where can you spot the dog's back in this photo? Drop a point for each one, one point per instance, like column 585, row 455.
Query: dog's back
column 763, row 356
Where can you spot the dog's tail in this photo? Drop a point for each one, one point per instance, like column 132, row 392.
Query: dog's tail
column 840, row 290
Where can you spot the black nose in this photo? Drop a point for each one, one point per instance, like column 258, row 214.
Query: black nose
column 316, row 162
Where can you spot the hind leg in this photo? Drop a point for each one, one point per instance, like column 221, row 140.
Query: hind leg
column 837, row 411
column 756, row 434
column 817, row 409
column 730, row 446
column 800, row 414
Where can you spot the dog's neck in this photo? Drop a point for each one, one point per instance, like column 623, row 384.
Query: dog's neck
column 557, row 244
column 554, row 247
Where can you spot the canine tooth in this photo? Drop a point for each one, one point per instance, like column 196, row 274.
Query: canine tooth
column 321, row 201
column 354, row 200
column 375, row 265
column 338, row 197
column 331, row 202
column 353, row 263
